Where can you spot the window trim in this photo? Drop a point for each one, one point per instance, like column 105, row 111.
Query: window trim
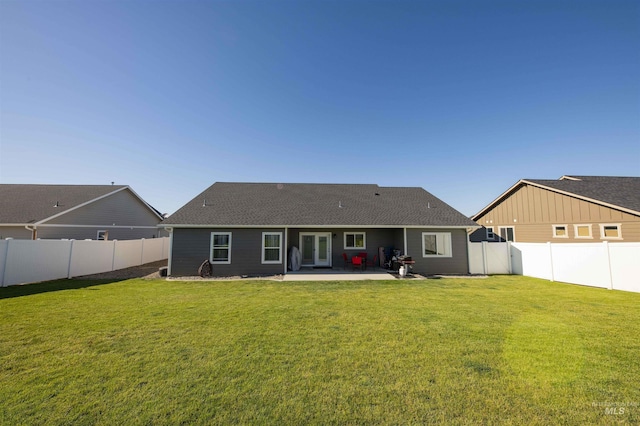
column 617, row 225
column 513, row 229
column 263, row 251
column 582, row 237
column 566, row 231
column 364, row 240
column 450, row 246
column 490, row 234
column 220, row 262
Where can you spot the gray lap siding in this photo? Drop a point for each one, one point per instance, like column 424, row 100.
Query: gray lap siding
column 375, row 238
column 190, row 247
column 457, row 264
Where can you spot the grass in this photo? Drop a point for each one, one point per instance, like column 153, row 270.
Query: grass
column 507, row 350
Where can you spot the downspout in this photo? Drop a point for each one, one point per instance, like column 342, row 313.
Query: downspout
column 34, row 231
column 170, row 231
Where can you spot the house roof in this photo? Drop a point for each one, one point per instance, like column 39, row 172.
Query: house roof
column 304, row 204
column 33, row 204
column 622, row 193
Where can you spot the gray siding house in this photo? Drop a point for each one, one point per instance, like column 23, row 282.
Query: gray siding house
column 96, row 212
column 250, row 228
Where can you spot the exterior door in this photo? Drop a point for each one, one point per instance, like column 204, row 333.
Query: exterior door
column 315, row 248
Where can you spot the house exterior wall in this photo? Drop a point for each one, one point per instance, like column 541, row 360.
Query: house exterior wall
column 91, row 233
column 533, row 211
column 17, row 232
column 375, row 238
column 456, row 264
column 190, row 247
column 121, row 208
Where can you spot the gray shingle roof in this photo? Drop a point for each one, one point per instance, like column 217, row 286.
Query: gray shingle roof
column 619, row 191
column 296, row 204
column 22, row 204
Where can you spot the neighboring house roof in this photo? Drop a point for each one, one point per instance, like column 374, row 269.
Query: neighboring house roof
column 622, row 193
column 33, row 204
column 304, row 204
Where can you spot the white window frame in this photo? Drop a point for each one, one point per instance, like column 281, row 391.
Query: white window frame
column 211, row 247
column 264, row 248
column 448, row 252
column 364, row 240
column 617, row 225
column 490, row 234
column 105, row 235
column 513, row 228
column 582, row 237
column 566, row 231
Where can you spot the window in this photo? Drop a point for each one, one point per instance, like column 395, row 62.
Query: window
column 220, row 247
column 355, row 240
column 490, row 234
column 610, row 231
column 436, row 244
column 507, row 233
column 272, row 247
column 582, row 231
column 560, row 231
column 102, row 236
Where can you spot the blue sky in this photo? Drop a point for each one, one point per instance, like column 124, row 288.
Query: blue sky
column 462, row 98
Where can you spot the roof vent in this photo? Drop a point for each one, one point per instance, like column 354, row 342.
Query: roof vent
column 376, row 194
column 57, row 204
column 339, row 204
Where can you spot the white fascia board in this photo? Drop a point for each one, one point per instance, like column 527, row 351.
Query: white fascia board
column 146, row 204
column 175, row 226
column 559, row 191
column 97, row 199
column 40, row 222
column 48, row 225
column 581, row 197
column 494, row 202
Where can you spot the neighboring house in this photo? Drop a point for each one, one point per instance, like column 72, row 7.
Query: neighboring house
column 570, row 209
column 249, row 228
column 97, row 212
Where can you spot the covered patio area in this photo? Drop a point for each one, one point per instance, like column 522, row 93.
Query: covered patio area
column 337, row 274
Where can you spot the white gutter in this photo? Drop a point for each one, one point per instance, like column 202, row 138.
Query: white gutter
column 327, row 226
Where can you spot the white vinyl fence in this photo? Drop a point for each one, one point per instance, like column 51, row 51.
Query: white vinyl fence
column 615, row 266
column 27, row 261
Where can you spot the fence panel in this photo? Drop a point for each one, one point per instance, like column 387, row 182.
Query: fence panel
column 581, row 263
column 91, row 257
column 34, row 261
column 152, row 250
column 498, row 261
column 625, row 266
column 532, row 260
column 127, row 254
column 476, row 259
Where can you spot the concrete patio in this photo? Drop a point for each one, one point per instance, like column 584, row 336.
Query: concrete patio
column 337, row 274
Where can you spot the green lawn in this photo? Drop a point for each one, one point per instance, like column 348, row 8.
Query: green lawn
column 506, row 349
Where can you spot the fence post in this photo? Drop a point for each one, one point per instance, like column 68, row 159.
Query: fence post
column 4, row 266
column 551, row 259
column 509, row 262
column 113, row 255
column 606, row 246
column 485, row 267
column 141, row 252
column 70, row 259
